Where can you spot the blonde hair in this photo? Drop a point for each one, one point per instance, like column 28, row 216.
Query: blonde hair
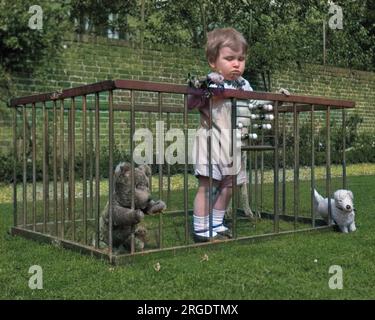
column 224, row 37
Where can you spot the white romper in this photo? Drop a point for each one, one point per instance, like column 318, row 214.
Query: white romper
column 223, row 163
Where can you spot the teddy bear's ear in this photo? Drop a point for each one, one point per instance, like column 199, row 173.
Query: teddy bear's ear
column 122, row 167
column 146, row 169
column 125, row 167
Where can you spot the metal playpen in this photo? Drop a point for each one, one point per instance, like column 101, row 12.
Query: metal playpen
column 65, row 140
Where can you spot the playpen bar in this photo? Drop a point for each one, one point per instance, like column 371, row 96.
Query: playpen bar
column 132, row 130
column 186, row 185
column 256, row 182
column 312, row 120
column 228, row 93
column 249, row 164
column 296, row 164
column 55, row 166
column 45, row 169
column 161, row 160
column 306, row 107
column 276, row 168
column 168, row 166
column 328, row 162
column 15, row 167
column 234, row 177
column 149, row 109
column 210, row 182
column 91, row 164
column 69, row 164
column 73, row 166
column 235, row 204
column 97, row 169
column 333, row 103
column 24, row 186
column 257, row 148
column 84, row 177
column 33, row 135
column 283, row 191
column 249, row 170
column 149, row 126
column 62, row 178
column 64, row 94
column 110, row 169
column 261, row 173
column 343, row 149
column 171, row 88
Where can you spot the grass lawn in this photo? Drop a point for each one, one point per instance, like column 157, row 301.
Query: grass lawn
column 288, row 267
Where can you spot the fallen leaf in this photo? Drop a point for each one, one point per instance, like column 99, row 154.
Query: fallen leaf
column 204, row 257
column 157, row 267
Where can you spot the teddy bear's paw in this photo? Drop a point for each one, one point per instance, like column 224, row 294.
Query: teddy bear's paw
column 139, row 215
column 157, row 207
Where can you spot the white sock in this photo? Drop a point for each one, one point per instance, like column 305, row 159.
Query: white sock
column 217, row 220
column 201, row 226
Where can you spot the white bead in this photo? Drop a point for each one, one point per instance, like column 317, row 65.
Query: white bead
column 268, row 107
column 267, row 126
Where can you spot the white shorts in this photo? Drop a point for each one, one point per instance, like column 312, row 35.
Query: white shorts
column 217, row 172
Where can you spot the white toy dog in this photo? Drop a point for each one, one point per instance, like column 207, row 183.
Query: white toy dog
column 342, row 209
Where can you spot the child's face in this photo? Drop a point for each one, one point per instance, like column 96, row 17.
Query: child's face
column 231, row 64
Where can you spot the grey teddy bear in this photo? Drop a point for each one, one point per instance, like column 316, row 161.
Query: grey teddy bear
column 124, row 218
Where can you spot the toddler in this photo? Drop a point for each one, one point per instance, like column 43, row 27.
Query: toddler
column 226, row 54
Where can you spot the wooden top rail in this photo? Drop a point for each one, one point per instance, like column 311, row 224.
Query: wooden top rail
column 180, row 89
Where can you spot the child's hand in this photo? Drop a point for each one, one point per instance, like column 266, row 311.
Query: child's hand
column 216, row 78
